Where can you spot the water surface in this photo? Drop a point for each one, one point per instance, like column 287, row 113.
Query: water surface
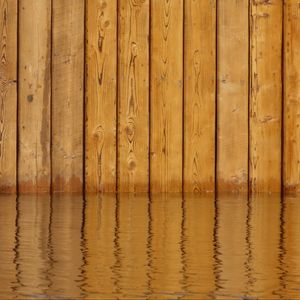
column 141, row 247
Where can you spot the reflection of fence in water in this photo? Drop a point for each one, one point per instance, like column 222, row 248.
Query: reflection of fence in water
column 164, row 245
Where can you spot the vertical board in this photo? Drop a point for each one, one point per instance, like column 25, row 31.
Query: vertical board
column 166, row 103
column 67, row 95
column 291, row 167
column 8, row 95
column 133, row 96
column 265, row 96
column 232, row 101
column 34, row 96
column 199, row 95
column 101, row 77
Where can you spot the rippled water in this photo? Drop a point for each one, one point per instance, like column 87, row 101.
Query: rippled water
column 162, row 247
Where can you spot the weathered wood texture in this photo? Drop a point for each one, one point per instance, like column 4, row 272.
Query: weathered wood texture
column 133, row 95
column 67, row 95
column 166, row 103
column 8, row 95
column 232, row 101
column 266, row 95
column 199, row 95
column 291, row 179
column 159, row 95
column 101, row 93
column 34, row 91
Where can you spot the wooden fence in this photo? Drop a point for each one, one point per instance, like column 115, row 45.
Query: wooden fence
column 159, row 95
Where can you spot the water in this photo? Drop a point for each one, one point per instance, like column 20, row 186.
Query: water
column 162, row 247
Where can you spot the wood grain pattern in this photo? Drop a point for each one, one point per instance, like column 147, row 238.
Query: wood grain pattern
column 166, row 95
column 291, row 165
column 199, row 95
column 101, row 78
column 265, row 96
column 34, row 90
column 8, row 95
column 232, row 101
column 67, row 95
column 133, row 105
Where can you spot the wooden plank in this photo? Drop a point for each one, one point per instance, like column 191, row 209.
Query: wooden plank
column 67, row 95
column 291, row 167
column 101, row 67
column 8, row 95
column 133, row 105
column 265, row 96
column 232, row 101
column 34, row 96
column 199, row 95
column 166, row 101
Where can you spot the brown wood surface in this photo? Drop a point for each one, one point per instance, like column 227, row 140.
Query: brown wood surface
column 101, row 93
column 166, row 95
column 8, row 95
column 265, row 96
column 133, row 96
column 166, row 103
column 199, row 95
column 291, row 164
column 232, row 101
column 67, row 95
column 34, row 96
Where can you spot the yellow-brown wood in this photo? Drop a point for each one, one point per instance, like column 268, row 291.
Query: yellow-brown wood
column 101, row 93
column 291, row 164
column 133, row 96
column 199, row 95
column 34, row 95
column 166, row 103
column 8, row 95
column 232, row 101
column 265, row 96
column 67, row 95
